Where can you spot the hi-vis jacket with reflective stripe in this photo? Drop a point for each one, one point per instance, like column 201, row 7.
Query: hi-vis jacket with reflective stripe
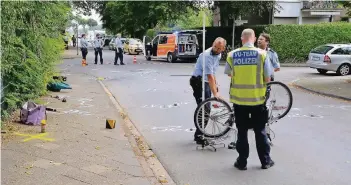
column 247, row 83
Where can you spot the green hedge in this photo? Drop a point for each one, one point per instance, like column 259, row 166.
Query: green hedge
column 294, row 42
column 226, row 32
column 32, row 45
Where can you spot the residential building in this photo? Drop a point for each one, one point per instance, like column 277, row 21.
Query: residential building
column 291, row 12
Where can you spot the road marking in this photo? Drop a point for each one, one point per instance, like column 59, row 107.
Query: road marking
column 35, row 136
column 304, row 116
column 172, row 129
column 165, row 106
column 83, row 102
column 343, row 107
column 75, row 111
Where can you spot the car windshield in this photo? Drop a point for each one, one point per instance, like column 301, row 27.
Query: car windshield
column 322, row 49
column 132, row 41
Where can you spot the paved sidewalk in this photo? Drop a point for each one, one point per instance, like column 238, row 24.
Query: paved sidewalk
column 336, row 87
column 77, row 148
column 71, row 53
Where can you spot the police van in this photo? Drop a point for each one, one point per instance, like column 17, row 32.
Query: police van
column 183, row 45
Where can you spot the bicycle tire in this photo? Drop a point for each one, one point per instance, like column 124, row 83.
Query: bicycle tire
column 289, row 94
column 231, row 120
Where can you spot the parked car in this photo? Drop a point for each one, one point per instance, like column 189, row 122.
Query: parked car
column 112, row 46
column 172, row 45
column 107, row 39
column 331, row 57
column 133, row 46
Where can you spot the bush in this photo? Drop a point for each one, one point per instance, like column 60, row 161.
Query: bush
column 294, row 42
column 226, row 32
column 31, row 47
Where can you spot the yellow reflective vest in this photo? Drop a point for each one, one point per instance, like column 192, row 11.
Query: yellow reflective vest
column 247, row 84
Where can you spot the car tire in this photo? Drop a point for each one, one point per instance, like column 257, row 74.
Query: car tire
column 171, row 58
column 322, row 71
column 344, row 69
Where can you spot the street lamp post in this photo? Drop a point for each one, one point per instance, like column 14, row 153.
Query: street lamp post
column 203, row 66
column 77, row 38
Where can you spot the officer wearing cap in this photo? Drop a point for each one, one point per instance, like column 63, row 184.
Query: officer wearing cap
column 250, row 70
column 98, row 44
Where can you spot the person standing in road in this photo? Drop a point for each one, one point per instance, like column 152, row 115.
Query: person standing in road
column 263, row 43
column 98, row 45
column 212, row 57
column 74, row 41
column 84, row 47
column 65, row 38
column 250, row 70
column 118, row 50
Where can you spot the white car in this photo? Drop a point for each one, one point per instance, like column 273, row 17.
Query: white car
column 331, row 57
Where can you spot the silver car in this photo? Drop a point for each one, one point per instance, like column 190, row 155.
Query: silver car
column 331, row 57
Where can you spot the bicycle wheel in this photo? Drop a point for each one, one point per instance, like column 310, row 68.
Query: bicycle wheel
column 281, row 92
column 217, row 115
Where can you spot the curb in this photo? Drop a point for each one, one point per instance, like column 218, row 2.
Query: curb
column 71, row 57
column 320, row 93
column 143, row 148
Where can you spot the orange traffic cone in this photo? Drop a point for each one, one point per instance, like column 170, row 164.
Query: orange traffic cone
column 84, row 62
column 134, row 60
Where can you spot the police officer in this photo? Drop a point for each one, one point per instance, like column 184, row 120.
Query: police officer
column 119, row 50
column 250, row 70
column 74, row 41
column 212, row 57
column 98, row 44
column 84, row 47
column 263, row 43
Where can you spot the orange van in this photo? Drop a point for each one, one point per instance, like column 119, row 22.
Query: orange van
column 172, row 46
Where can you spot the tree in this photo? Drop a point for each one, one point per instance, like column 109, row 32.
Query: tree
column 192, row 19
column 82, row 21
column 84, row 7
column 133, row 17
column 92, row 22
column 236, row 9
column 347, row 6
column 32, row 46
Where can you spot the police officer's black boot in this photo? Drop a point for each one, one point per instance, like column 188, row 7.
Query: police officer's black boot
column 268, row 165
column 240, row 166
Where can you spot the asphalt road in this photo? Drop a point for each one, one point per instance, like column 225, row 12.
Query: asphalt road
column 312, row 143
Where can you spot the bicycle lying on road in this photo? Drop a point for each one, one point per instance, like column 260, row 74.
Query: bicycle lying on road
column 216, row 110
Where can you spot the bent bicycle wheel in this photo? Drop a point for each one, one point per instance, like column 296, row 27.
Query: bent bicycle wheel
column 278, row 99
column 218, row 117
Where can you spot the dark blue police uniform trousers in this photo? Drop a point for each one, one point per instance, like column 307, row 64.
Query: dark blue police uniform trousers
column 252, row 117
column 196, row 84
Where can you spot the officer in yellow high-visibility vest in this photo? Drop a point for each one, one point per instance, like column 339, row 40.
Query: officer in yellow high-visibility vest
column 250, row 70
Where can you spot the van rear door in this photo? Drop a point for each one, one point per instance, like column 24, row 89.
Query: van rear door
column 147, row 46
